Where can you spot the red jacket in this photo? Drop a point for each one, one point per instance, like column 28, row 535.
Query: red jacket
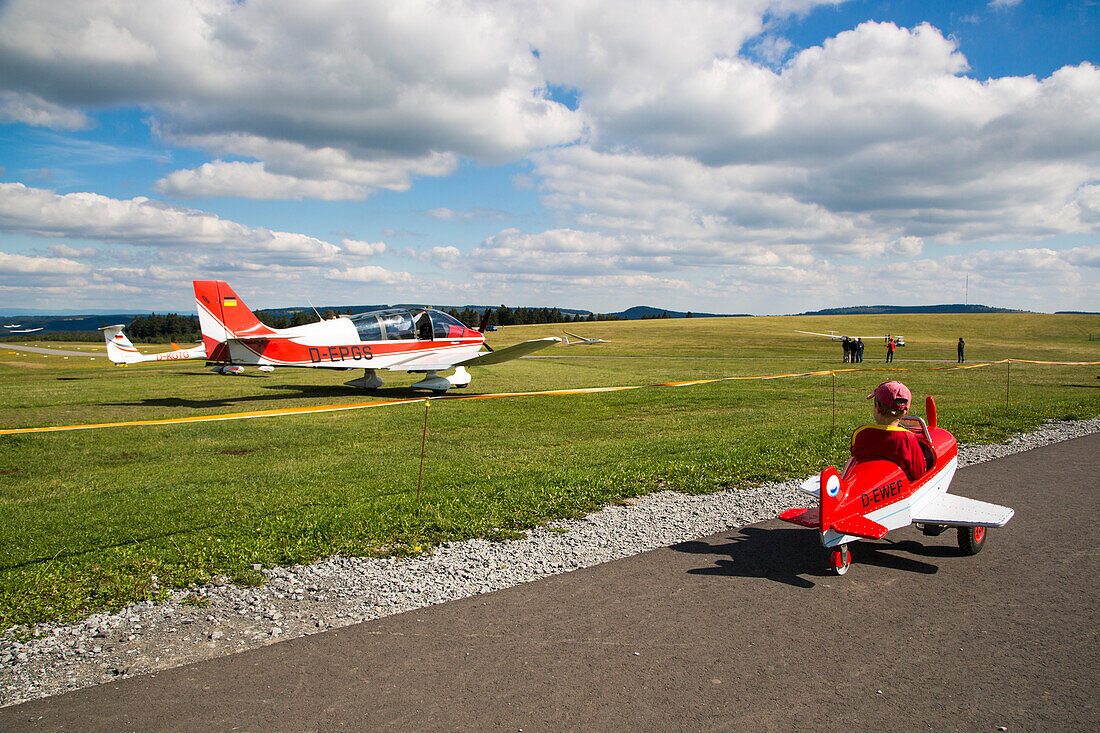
column 890, row 443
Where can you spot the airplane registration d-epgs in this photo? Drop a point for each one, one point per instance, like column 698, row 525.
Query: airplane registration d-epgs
column 394, row 339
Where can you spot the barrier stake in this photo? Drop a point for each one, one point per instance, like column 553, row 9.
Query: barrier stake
column 1008, row 380
column 423, row 443
column 833, row 428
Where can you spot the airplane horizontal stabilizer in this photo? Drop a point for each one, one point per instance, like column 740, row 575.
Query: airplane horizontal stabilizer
column 860, row 527
column 805, row 517
column 512, row 352
column 959, row 510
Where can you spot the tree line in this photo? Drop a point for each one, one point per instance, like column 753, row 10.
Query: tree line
column 505, row 316
column 172, row 327
column 164, row 327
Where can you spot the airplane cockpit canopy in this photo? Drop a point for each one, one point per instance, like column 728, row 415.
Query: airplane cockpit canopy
column 392, row 324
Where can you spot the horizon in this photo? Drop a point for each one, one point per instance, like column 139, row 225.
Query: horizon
column 16, row 313
column 774, row 156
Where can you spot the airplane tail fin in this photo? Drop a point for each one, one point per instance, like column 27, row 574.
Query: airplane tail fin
column 832, row 492
column 224, row 316
column 119, row 348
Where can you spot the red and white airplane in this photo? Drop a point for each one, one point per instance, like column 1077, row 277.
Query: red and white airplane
column 870, row 498
column 394, row 339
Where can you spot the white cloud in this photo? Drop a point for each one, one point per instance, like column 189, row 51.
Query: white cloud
column 251, row 180
column 292, row 170
column 475, row 214
column 1003, row 4
column 359, row 248
column 141, row 221
column 15, row 264
column 371, row 274
column 367, row 78
column 906, row 246
column 873, row 137
column 17, row 271
column 31, row 109
column 64, row 250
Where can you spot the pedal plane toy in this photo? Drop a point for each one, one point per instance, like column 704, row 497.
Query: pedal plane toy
column 870, row 498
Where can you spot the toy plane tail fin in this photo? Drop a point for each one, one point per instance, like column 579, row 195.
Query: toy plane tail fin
column 119, row 348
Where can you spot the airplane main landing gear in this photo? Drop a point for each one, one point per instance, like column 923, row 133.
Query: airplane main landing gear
column 369, row 380
column 840, row 559
column 971, row 540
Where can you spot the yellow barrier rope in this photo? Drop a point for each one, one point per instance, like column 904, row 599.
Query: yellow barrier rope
column 580, row 390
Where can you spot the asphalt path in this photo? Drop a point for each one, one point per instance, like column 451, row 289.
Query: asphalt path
column 743, row 630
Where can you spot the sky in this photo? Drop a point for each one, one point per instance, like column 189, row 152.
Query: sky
column 758, row 156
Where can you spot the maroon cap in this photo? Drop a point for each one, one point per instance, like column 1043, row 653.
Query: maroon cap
column 892, row 394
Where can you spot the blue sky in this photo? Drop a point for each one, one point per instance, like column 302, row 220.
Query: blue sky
column 766, row 156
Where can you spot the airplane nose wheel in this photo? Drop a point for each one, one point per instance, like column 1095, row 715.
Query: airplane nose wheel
column 840, row 559
column 971, row 540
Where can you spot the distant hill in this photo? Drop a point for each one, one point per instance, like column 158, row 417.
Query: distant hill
column 859, row 310
column 639, row 312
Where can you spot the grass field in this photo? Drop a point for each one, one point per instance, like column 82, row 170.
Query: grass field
column 99, row 518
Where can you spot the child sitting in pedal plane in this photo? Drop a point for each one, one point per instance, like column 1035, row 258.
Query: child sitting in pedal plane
column 886, row 439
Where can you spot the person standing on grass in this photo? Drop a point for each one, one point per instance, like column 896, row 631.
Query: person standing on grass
column 891, row 346
column 962, row 345
column 859, row 350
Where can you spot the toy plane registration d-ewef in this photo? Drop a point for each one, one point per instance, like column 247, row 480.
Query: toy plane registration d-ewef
column 870, row 498
column 419, row 340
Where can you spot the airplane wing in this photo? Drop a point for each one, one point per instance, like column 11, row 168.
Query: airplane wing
column 959, row 510
column 815, row 333
column 512, row 352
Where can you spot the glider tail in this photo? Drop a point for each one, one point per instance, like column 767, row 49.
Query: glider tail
column 224, row 316
column 119, row 348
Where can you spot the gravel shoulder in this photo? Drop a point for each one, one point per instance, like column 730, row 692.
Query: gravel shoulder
column 144, row 638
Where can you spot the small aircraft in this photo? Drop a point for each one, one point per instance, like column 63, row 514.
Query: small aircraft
column 581, row 340
column 122, row 352
column 14, row 328
column 870, row 498
column 419, row 340
column 899, row 340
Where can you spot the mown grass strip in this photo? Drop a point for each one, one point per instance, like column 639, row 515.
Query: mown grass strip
column 96, row 519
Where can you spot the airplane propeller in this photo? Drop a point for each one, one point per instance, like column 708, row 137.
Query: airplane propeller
column 485, row 324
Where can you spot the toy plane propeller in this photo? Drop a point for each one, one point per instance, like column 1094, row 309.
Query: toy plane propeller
column 870, row 498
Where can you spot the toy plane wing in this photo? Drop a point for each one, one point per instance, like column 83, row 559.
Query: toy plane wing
column 959, row 510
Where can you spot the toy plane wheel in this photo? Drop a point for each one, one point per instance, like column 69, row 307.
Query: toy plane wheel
column 840, row 559
column 971, row 540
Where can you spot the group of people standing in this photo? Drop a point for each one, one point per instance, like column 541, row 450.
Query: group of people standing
column 853, row 350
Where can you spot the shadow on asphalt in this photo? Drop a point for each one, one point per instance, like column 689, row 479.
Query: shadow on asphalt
column 794, row 556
